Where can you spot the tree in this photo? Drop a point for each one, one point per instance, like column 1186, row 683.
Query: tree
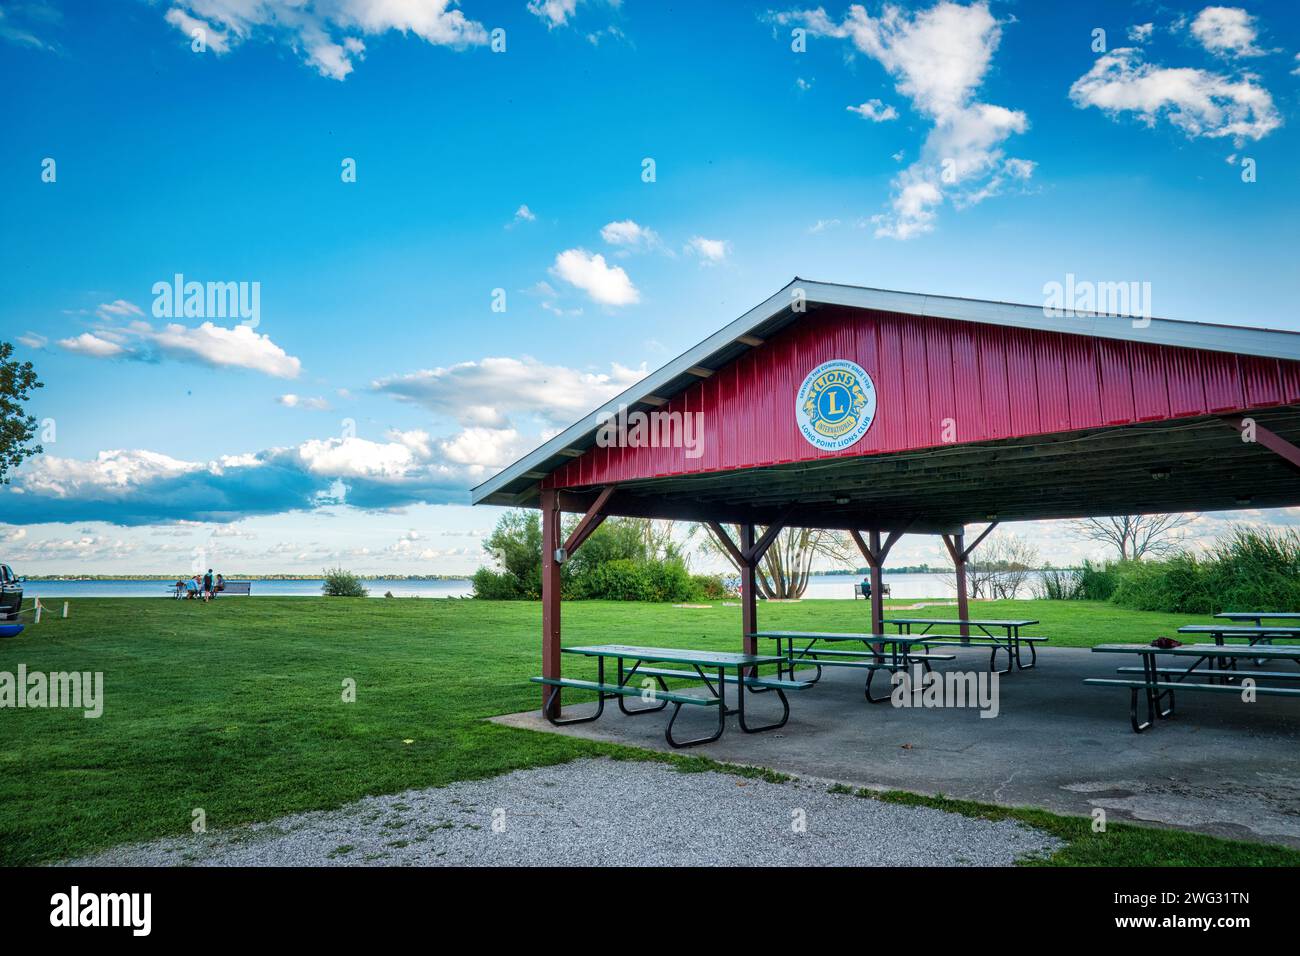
column 17, row 429
column 1000, row 567
column 1136, row 536
column 516, row 546
column 783, row 572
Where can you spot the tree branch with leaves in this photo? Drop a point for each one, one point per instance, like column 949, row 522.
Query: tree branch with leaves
column 17, row 429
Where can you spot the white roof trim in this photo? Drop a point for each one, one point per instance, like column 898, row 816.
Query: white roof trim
column 1239, row 340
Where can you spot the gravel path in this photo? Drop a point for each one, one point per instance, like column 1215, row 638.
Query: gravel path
column 604, row 812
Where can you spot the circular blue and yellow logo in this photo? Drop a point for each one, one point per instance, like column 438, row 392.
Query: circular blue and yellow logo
column 835, row 405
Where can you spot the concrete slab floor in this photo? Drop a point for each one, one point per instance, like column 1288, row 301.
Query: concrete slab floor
column 1220, row 766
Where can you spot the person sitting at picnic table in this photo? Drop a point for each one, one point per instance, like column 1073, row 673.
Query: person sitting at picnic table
column 192, row 587
column 178, row 589
column 221, row 584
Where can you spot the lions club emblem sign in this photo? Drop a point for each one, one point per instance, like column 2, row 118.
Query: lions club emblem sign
column 835, row 404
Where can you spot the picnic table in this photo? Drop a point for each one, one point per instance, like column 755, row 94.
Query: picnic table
column 710, row 667
column 1254, row 634
column 1158, row 683
column 875, row 657
column 1259, row 617
column 1009, row 638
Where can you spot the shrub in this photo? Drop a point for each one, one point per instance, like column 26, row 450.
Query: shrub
column 710, row 587
column 631, row 579
column 1252, row 570
column 1097, row 582
column 492, row 585
column 1177, row 584
column 340, row 583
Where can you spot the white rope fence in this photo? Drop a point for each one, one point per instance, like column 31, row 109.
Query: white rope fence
column 37, row 608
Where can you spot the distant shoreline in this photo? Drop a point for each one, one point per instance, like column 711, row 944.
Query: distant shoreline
column 242, row 577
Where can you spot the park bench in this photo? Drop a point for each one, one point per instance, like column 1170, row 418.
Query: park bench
column 237, row 587
column 1158, row 689
column 716, row 663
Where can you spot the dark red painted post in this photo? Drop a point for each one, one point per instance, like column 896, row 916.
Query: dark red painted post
column 959, row 556
column 877, row 585
column 550, row 593
column 748, row 591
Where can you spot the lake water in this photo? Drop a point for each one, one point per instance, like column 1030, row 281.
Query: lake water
column 819, row 586
column 431, row 587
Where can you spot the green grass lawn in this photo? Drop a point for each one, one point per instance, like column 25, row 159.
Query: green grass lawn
column 236, row 708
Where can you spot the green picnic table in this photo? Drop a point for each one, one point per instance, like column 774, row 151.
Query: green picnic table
column 1158, row 683
column 875, row 657
column 1009, row 639
column 1259, row 617
column 711, row 667
column 1254, row 635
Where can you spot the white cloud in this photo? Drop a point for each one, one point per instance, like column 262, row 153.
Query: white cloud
column 325, row 33
column 483, row 449
column 606, row 284
column 939, row 58
column 802, row 85
column 134, row 487
column 874, row 110
column 1198, row 102
column 1141, row 32
column 215, row 40
column 710, row 251
column 1226, row 31
column 480, row 393
column 238, row 347
column 301, row 401
column 554, row 13
column 33, row 341
column 821, row 225
column 522, row 214
column 207, row 344
column 626, row 232
column 90, row 344
column 118, row 309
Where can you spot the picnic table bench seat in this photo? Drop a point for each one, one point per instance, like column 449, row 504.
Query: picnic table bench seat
column 764, row 683
column 1234, row 675
column 625, row 690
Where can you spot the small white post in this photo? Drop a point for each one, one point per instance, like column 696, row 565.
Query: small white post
column 38, row 611
column 65, row 608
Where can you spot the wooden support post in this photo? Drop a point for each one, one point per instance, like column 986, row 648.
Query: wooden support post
column 875, row 553
column 957, row 548
column 748, row 590
column 550, row 594
column 960, row 554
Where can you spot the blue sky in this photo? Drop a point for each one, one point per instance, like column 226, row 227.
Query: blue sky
column 962, row 148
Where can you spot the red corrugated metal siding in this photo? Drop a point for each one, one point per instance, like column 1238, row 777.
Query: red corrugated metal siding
column 993, row 382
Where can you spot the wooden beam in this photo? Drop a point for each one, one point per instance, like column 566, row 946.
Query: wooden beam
column 655, row 400
column 966, row 553
column 1270, row 440
column 699, row 371
column 756, row 552
column 550, row 595
column 750, row 340
column 589, row 523
column 725, row 540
